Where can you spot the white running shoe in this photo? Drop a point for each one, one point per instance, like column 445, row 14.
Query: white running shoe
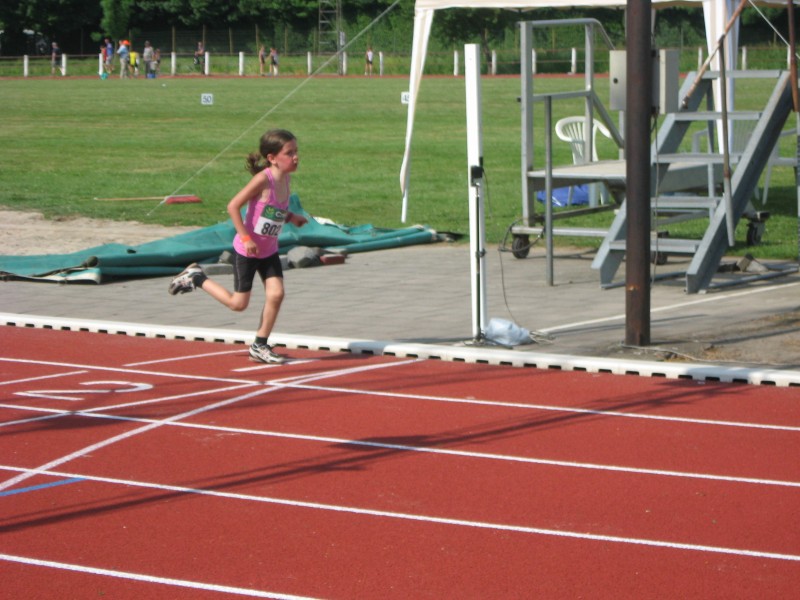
column 265, row 354
column 183, row 282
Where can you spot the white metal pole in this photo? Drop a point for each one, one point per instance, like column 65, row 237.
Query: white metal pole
column 208, row 63
column 574, row 62
column 344, row 63
column 241, row 63
column 63, row 65
column 100, row 67
column 308, row 61
column 380, row 62
column 173, row 64
column 455, row 63
column 533, row 61
column 477, row 238
column 548, row 188
column 494, row 62
column 26, row 66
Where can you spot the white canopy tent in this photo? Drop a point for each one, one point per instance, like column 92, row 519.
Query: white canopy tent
column 716, row 12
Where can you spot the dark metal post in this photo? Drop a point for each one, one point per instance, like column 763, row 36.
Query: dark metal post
column 637, row 144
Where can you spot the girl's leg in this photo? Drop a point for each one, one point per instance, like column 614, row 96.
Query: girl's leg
column 236, row 301
column 273, row 288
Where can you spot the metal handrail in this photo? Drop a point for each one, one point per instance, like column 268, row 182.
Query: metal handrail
column 584, row 21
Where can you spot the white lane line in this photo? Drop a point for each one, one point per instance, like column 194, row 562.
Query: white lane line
column 543, row 407
column 58, row 415
column 299, row 379
column 655, row 543
column 704, row 300
column 43, row 377
column 125, row 370
column 468, row 453
column 183, row 357
column 298, row 383
column 197, row 585
column 288, row 361
column 185, row 396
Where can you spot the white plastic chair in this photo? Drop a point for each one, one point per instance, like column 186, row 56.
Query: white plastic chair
column 570, row 130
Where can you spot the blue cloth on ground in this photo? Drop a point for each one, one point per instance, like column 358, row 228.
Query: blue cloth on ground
column 580, row 195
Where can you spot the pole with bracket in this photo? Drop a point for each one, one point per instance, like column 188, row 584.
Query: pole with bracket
column 475, row 174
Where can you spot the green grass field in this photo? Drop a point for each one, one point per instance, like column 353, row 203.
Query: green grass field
column 66, row 141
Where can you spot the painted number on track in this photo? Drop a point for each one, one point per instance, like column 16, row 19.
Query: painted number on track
column 112, row 387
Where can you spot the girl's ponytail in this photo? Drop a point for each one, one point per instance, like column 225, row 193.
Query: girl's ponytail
column 255, row 163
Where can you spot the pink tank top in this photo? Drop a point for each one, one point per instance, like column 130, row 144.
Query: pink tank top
column 264, row 220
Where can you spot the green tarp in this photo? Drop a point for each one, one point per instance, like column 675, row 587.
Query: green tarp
column 169, row 256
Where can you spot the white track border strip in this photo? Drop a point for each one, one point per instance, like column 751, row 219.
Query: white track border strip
column 487, row 355
column 209, row 587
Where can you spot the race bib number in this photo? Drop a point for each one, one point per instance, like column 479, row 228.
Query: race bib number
column 271, row 221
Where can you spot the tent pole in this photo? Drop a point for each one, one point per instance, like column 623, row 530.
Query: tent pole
column 477, row 238
column 712, row 54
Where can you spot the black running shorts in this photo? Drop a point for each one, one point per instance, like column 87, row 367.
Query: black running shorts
column 246, row 267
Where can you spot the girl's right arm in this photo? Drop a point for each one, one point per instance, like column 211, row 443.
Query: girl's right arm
column 255, row 187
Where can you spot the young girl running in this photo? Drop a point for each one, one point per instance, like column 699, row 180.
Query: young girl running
column 256, row 240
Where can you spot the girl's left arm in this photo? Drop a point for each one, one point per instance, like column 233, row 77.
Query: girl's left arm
column 296, row 220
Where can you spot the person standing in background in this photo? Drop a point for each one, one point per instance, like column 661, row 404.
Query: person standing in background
column 147, row 57
column 200, row 55
column 262, row 59
column 273, row 61
column 124, row 54
column 109, row 55
column 55, row 59
column 369, row 57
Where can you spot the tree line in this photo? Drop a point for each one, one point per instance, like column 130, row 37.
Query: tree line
column 28, row 26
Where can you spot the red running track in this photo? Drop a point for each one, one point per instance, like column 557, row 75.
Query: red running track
column 133, row 468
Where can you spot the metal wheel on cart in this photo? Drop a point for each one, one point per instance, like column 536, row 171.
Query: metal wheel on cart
column 520, row 246
column 755, row 231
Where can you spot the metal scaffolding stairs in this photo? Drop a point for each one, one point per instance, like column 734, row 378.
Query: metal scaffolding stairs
column 722, row 212
column 330, row 15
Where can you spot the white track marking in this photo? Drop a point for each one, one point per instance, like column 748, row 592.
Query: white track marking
column 743, row 552
column 58, row 415
column 183, row 357
column 92, row 413
column 258, row 367
column 543, row 407
column 69, row 394
column 670, row 307
column 124, row 436
column 298, row 382
column 197, row 585
column 466, row 453
column 173, row 419
column 299, row 379
column 288, row 361
column 125, row 370
column 88, row 411
column 199, row 394
column 42, row 377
